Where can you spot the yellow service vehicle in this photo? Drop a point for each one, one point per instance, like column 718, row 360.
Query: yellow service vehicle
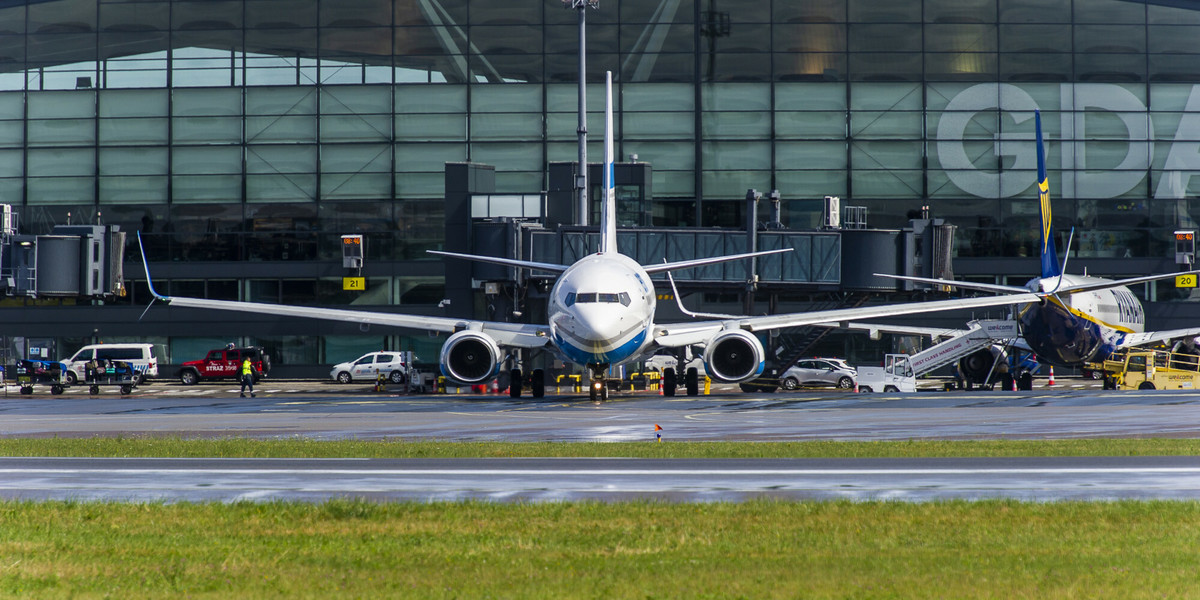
column 1151, row 370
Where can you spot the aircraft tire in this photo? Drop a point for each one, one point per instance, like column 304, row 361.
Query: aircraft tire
column 692, row 381
column 514, row 383
column 1025, row 381
column 537, row 384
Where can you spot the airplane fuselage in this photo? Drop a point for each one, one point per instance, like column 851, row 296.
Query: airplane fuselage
column 601, row 310
column 1080, row 327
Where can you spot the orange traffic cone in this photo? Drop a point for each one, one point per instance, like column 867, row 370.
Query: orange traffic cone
column 1051, row 382
column 1014, row 384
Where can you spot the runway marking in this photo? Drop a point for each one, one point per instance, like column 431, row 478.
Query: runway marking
column 655, row 472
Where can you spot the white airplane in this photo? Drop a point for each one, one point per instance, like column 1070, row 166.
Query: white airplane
column 1081, row 319
column 601, row 314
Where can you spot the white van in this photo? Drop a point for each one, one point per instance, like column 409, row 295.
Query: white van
column 140, row 356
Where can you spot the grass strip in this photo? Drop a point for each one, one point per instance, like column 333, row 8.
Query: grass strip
column 176, row 447
column 757, row 549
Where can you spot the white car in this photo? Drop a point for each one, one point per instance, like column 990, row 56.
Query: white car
column 368, row 367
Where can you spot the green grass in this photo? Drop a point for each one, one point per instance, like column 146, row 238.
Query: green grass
column 642, row 549
column 174, row 447
column 758, row 549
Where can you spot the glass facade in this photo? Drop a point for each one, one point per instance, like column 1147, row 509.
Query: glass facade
column 268, row 123
column 262, row 130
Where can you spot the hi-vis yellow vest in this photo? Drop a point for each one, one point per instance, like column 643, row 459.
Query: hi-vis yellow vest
column 246, row 368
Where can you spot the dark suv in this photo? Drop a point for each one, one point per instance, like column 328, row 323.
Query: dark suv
column 225, row 363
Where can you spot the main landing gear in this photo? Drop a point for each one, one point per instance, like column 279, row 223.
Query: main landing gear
column 537, row 383
column 691, row 381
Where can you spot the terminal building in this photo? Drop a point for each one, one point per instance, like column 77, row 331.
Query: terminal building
column 243, row 138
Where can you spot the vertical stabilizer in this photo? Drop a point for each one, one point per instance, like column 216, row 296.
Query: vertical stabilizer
column 1050, row 266
column 608, row 207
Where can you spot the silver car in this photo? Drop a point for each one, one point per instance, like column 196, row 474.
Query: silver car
column 819, row 371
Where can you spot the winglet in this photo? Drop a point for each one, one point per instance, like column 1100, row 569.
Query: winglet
column 608, row 212
column 146, row 266
column 684, row 310
column 1050, row 266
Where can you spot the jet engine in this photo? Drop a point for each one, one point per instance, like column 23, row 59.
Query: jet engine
column 733, row 356
column 975, row 366
column 470, row 357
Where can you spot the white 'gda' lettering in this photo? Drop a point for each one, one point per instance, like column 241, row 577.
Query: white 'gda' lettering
column 1183, row 159
column 952, row 154
column 1078, row 182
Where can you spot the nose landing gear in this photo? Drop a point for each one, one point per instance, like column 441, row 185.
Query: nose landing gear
column 598, row 386
column 598, row 390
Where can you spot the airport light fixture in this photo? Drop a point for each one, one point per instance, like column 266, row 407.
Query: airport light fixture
column 581, row 217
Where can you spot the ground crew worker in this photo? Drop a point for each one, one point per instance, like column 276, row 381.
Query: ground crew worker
column 247, row 377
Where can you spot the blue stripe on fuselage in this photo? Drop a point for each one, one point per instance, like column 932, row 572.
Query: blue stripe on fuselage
column 586, row 357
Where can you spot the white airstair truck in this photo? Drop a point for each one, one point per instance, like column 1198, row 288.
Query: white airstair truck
column 899, row 372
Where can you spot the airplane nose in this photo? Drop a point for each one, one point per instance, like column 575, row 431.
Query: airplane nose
column 599, row 325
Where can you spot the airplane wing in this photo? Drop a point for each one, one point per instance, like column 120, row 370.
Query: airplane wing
column 1068, row 289
column 1151, row 337
column 966, row 285
column 681, row 334
column 872, row 328
column 527, row 264
column 517, row 335
column 700, row 262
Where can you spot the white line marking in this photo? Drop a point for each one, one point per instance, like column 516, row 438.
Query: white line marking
column 564, row 472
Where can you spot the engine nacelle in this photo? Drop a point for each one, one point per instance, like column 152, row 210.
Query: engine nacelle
column 733, row 356
column 975, row 366
column 470, row 357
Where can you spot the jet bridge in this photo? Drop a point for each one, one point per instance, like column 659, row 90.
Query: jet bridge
column 73, row 261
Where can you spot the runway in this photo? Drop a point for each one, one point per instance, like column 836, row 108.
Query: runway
column 323, row 412
column 326, row 412
column 209, row 480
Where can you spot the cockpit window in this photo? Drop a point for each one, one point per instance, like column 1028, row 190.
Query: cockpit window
column 570, row 299
column 605, row 297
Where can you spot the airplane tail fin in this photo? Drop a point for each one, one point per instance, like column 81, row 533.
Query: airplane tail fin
column 608, row 212
column 1050, row 265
